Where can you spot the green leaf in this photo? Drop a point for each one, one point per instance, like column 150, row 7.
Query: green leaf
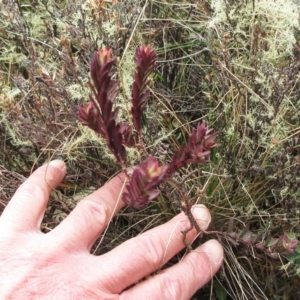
column 220, row 291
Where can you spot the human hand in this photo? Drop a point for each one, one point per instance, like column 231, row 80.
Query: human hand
column 58, row 265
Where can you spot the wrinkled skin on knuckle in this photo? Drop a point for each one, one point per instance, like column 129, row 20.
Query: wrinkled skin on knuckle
column 94, row 206
column 170, row 287
column 94, row 210
column 31, row 191
column 153, row 250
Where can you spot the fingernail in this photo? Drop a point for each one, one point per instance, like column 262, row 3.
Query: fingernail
column 202, row 215
column 214, row 250
column 57, row 164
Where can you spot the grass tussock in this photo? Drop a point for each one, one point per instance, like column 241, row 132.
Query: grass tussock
column 233, row 64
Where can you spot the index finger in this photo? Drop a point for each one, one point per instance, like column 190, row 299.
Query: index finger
column 26, row 209
column 91, row 215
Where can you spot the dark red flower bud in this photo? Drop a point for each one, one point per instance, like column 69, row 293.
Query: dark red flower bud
column 197, row 150
column 142, row 187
